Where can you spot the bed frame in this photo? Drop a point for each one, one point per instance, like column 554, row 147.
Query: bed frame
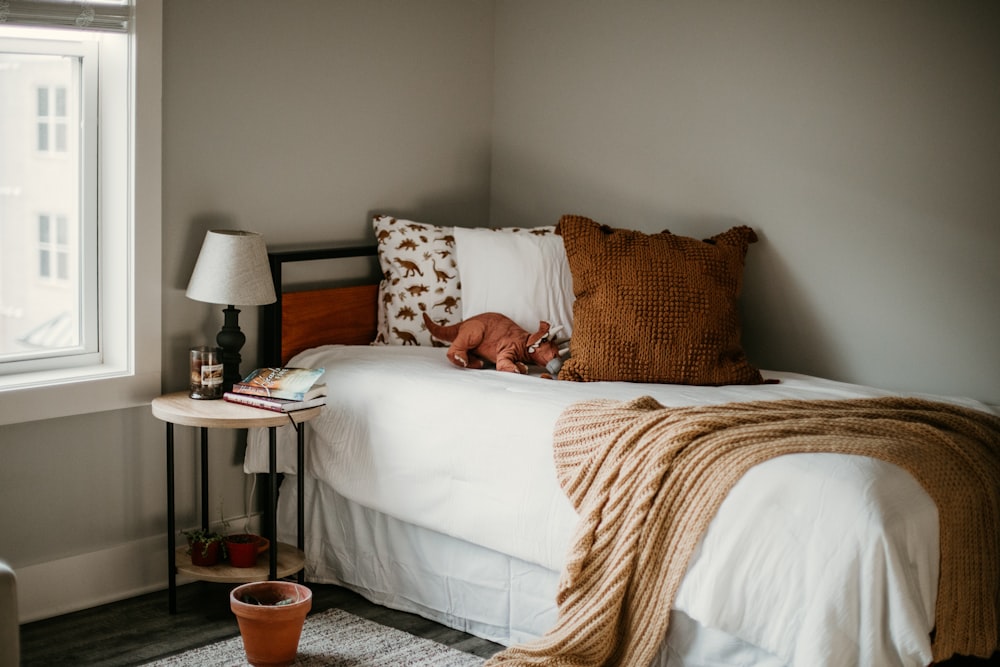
column 306, row 318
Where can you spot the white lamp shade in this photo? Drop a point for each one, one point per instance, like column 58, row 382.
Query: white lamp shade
column 232, row 269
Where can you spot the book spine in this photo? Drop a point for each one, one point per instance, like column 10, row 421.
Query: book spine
column 250, row 389
column 254, row 401
column 257, row 390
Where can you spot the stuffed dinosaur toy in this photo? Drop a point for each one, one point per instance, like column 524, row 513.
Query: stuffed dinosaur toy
column 497, row 338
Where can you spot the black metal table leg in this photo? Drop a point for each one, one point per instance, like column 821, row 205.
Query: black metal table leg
column 171, row 527
column 204, row 478
column 272, row 509
column 301, row 488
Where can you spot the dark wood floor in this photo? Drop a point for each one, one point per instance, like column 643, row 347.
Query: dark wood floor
column 140, row 629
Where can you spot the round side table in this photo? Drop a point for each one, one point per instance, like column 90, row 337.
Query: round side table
column 179, row 408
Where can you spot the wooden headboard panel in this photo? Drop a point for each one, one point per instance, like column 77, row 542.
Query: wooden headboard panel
column 306, row 318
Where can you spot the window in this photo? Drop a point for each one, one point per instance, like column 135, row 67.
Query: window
column 53, row 248
column 51, row 85
column 79, row 324
column 52, row 127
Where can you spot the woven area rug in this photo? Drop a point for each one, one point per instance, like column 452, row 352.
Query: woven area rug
column 336, row 637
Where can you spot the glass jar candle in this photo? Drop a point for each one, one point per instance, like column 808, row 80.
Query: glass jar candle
column 206, row 372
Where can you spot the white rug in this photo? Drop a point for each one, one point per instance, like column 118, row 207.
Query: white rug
column 336, row 637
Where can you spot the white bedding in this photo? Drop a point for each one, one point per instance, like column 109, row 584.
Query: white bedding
column 810, row 556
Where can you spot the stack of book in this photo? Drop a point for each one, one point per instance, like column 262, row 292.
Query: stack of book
column 280, row 389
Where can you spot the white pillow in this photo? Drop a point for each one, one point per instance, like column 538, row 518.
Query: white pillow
column 520, row 272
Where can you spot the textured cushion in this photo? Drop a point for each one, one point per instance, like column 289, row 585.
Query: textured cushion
column 655, row 307
column 520, row 272
column 419, row 275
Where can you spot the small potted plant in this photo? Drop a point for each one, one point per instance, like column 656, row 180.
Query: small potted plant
column 205, row 546
column 243, row 548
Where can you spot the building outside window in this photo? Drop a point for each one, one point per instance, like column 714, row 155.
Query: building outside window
column 48, row 129
column 53, row 247
column 52, row 126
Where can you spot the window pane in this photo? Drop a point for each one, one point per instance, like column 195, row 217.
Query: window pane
column 61, row 102
column 40, row 286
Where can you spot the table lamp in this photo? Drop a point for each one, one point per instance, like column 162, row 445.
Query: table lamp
column 232, row 269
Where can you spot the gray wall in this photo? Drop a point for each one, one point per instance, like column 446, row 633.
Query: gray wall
column 300, row 124
column 858, row 138
column 295, row 120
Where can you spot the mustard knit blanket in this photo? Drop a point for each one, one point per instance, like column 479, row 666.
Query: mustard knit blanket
column 646, row 480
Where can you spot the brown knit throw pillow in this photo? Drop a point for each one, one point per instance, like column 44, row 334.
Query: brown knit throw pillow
column 655, row 307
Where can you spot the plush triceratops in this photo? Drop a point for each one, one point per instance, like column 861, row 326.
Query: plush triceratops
column 498, row 339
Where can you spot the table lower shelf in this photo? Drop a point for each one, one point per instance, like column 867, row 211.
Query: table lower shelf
column 290, row 561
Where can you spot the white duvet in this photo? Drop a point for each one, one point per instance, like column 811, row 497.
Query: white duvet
column 820, row 559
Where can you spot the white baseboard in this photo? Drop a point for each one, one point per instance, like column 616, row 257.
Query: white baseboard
column 87, row 580
column 79, row 582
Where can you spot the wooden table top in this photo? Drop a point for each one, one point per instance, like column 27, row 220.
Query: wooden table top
column 179, row 408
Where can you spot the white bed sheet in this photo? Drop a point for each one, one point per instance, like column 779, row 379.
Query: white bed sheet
column 462, row 585
column 807, row 555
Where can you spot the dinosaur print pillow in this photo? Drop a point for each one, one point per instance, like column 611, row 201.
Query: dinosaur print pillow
column 419, row 275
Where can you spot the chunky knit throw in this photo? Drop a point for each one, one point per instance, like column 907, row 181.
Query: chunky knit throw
column 646, row 480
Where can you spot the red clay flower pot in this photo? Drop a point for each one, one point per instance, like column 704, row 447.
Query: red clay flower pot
column 270, row 615
column 244, row 547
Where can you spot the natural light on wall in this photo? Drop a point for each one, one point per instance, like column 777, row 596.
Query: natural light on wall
column 79, row 208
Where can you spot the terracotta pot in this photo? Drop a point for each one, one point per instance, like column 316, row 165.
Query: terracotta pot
column 243, row 549
column 270, row 615
column 205, row 555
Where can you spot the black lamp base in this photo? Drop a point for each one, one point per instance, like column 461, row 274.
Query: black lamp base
column 231, row 340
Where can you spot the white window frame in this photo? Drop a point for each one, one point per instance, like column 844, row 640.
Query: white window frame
column 127, row 370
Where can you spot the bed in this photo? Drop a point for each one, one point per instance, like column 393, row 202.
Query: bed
column 435, row 490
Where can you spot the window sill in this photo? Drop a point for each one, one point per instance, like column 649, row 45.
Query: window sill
column 53, row 394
